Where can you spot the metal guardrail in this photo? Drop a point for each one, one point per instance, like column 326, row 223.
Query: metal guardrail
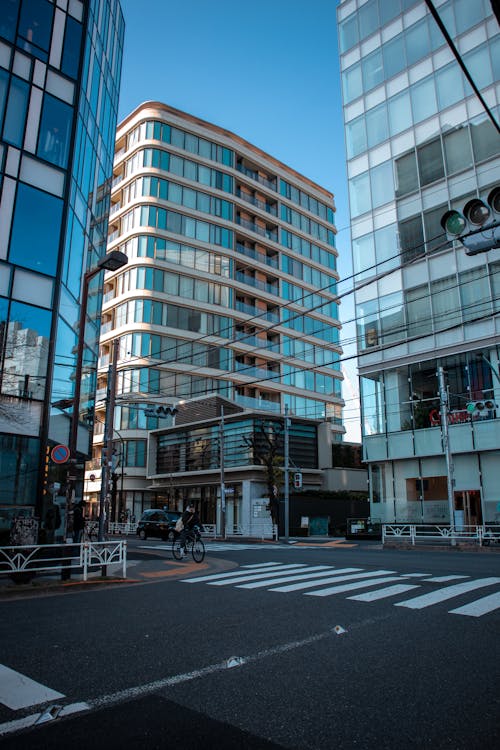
column 481, row 535
column 37, row 558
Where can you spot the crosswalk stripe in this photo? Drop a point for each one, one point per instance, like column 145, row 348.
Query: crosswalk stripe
column 293, row 577
column 444, row 579
column 441, row 595
column 240, row 573
column 373, row 596
column 18, row 691
column 262, row 576
column 479, row 607
column 331, row 590
column 332, row 579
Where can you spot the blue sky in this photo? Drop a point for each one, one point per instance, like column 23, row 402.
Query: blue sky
column 267, row 71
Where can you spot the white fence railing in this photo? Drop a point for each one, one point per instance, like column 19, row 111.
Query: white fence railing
column 122, row 528
column 403, row 532
column 63, row 557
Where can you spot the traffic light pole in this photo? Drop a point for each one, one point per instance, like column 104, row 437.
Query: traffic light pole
column 222, row 478
column 287, row 477
column 107, row 449
column 443, row 400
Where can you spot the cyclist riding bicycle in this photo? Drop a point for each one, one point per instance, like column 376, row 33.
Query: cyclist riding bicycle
column 190, row 519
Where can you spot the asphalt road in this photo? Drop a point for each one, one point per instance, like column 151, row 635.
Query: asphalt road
column 246, row 659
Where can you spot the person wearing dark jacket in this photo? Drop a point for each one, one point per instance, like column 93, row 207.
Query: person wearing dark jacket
column 78, row 522
column 190, row 519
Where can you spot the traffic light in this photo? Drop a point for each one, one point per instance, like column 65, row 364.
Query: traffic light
column 481, row 406
column 478, row 227
column 160, row 411
column 297, row 480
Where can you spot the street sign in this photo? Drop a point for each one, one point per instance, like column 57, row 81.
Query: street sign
column 59, row 454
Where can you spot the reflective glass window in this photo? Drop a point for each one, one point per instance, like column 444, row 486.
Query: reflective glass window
column 15, row 115
column 418, row 311
column 373, row 70
column 479, row 66
column 359, row 194
column 36, row 229
column 4, row 87
column 485, row 138
column 368, row 18
column 475, row 294
column 394, row 56
column 399, row 111
column 457, row 149
column 417, row 42
column 71, row 49
column 349, row 35
column 35, row 25
column 423, row 99
column 352, row 83
column 406, row 174
column 430, row 162
column 391, row 317
column 376, row 125
column 411, row 237
column 382, row 184
column 8, row 19
column 449, row 86
column 435, row 237
column 468, row 14
column 363, row 254
column 388, row 11
column 55, row 131
column 29, row 334
column 386, row 247
column 445, row 302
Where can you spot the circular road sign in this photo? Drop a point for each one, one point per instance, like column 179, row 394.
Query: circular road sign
column 59, row 454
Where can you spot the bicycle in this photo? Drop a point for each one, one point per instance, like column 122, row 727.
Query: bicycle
column 91, row 532
column 194, row 544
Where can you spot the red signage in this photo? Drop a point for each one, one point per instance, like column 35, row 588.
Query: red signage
column 59, row 454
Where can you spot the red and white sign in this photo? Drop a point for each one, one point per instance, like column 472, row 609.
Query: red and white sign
column 59, row 454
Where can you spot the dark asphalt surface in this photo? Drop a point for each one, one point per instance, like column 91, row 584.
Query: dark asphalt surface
column 396, row 678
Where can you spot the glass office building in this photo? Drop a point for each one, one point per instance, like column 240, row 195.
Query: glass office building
column 230, row 287
column 60, row 64
column 419, row 142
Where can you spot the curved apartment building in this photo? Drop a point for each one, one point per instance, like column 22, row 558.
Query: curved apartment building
column 229, row 290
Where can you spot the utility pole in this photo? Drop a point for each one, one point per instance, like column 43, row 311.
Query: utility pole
column 287, row 478
column 107, row 448
column 443, row 401
column 222, row 479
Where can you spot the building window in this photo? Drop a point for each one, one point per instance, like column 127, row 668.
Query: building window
column 55, row 131
column 36, row 230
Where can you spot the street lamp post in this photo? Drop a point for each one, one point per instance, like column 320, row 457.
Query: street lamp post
column 112, row 261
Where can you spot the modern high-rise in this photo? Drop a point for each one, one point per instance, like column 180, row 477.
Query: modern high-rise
column 60, row 65
column 229, row 290
column 419, row 143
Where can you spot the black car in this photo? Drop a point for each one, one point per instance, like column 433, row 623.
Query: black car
column 158, row 523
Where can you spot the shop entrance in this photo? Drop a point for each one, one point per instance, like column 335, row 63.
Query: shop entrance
column 468, row 508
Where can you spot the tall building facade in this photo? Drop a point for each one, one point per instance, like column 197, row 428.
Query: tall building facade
column 419, row 143
column 230, row 287
column 60, row 65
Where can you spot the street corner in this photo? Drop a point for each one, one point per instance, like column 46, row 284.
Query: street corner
column 177, row 569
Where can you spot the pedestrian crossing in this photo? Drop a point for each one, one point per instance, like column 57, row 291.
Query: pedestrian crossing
column 329, row 580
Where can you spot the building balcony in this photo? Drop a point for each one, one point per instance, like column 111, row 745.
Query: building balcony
column 269, row 234
column 257, row 403
column 256, row 176
column 272, row 317
column 256, row 372
column 270, row 208
column 262, row 285
column 250, row 340
column 249, row 252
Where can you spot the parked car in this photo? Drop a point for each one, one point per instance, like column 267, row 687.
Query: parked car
column 158, row 523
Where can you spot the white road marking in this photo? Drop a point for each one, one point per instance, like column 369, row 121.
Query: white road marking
column 332, row 579
column 479, row 607
column 269, row 574
column 414, row 575
column 441, row 595
column 18, row 691
column 293, row 577
column 444, row 579
column 238, row 574
column 331, row 590
column 372, row 596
